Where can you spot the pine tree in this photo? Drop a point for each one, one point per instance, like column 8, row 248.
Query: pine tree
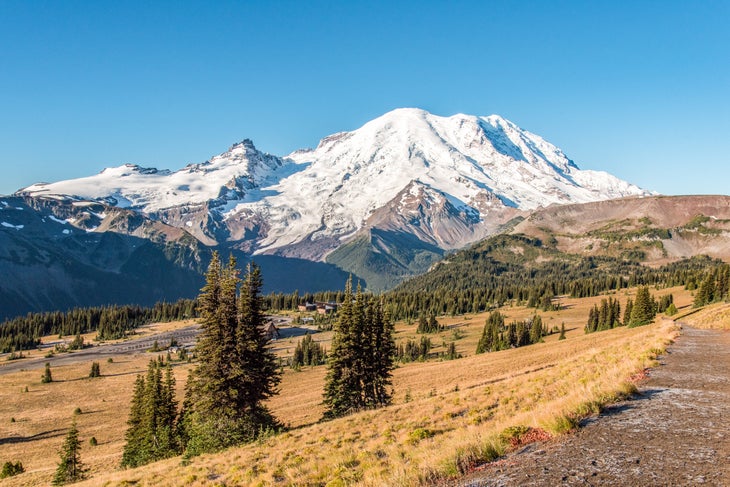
column 382, row 347
column 95, row 370
column 134, row 453
column 536, row 329
column 628, row 311
column 489, row 341
column 47, row 377
column 70, row 469
column 337, row 396
column 151, row 433
column 706, row 292
column 237, row 372
column 643, row 310
column 562, row 331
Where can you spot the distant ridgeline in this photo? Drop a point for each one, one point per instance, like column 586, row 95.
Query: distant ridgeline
column 110, row 322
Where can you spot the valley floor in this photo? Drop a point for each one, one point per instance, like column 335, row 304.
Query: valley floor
column 675, row 432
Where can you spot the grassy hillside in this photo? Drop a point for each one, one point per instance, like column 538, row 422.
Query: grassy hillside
column 447, row 415
column 658, row 229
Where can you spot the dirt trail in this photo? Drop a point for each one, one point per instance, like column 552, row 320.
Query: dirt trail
column 677, row 432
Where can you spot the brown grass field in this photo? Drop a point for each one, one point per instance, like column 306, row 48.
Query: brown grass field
column 445, row 418
column 713, row 317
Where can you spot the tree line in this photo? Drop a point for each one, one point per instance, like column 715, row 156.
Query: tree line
column 110, row 322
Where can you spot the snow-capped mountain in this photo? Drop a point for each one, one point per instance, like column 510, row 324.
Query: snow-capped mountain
column 316, row 199
column 416, row 179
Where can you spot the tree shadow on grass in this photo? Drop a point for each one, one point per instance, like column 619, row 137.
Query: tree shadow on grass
column 40, row 436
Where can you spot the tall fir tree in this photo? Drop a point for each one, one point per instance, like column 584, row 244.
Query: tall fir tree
column 151, row 432
column 628, row 311
column 70, row 469
column 643, row 310
column 489, row 341
column 236, row 371
column 47, row 377
column 337, row 396
column 134, row 452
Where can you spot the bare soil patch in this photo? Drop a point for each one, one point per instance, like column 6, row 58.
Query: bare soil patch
column 675, row 432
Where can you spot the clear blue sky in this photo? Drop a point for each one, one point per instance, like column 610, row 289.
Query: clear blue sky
column 639, row 89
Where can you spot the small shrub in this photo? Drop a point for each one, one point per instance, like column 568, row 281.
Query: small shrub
column 408, row 397
column 513, row 432
column 77, row 411
column 419, row 434
column 110, row 360
column 10, row 469
column 92, row 441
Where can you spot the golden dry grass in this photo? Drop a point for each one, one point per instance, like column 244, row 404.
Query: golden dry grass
column 713, row 317
column 443, row 414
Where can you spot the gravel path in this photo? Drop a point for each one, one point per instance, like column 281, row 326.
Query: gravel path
column 677, row 432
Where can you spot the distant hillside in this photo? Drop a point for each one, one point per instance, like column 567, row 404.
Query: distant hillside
column 652, row 230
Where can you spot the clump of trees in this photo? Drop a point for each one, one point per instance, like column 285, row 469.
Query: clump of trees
column 496, row 336
column 237, row 372
column 413, row 351
column 638, row 312
column 308, row 352
column 362, row 357
column 605, row 317
column 224, row 394
column 428, row 325
column 714, row 287
column 151, row 433
column 643, row 309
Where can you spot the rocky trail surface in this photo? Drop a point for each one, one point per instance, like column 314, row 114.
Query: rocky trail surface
column 675, row 432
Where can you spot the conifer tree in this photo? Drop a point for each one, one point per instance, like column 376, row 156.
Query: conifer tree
column 47, row 376
column 151, row 433
column 643, row 310
column 95, row 370
column 237, row 372
column 562, row 331
column 489, row 341
column 380, row 331
column 706, row 292
column 70, row 469
column 340, row 368
column 536, row 329
column 134, row 449
column 628, row 311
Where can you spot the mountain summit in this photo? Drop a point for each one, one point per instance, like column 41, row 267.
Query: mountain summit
column 477, row 164
column 405, row 186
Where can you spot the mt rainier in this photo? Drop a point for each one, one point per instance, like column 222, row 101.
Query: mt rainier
column 398, row 191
